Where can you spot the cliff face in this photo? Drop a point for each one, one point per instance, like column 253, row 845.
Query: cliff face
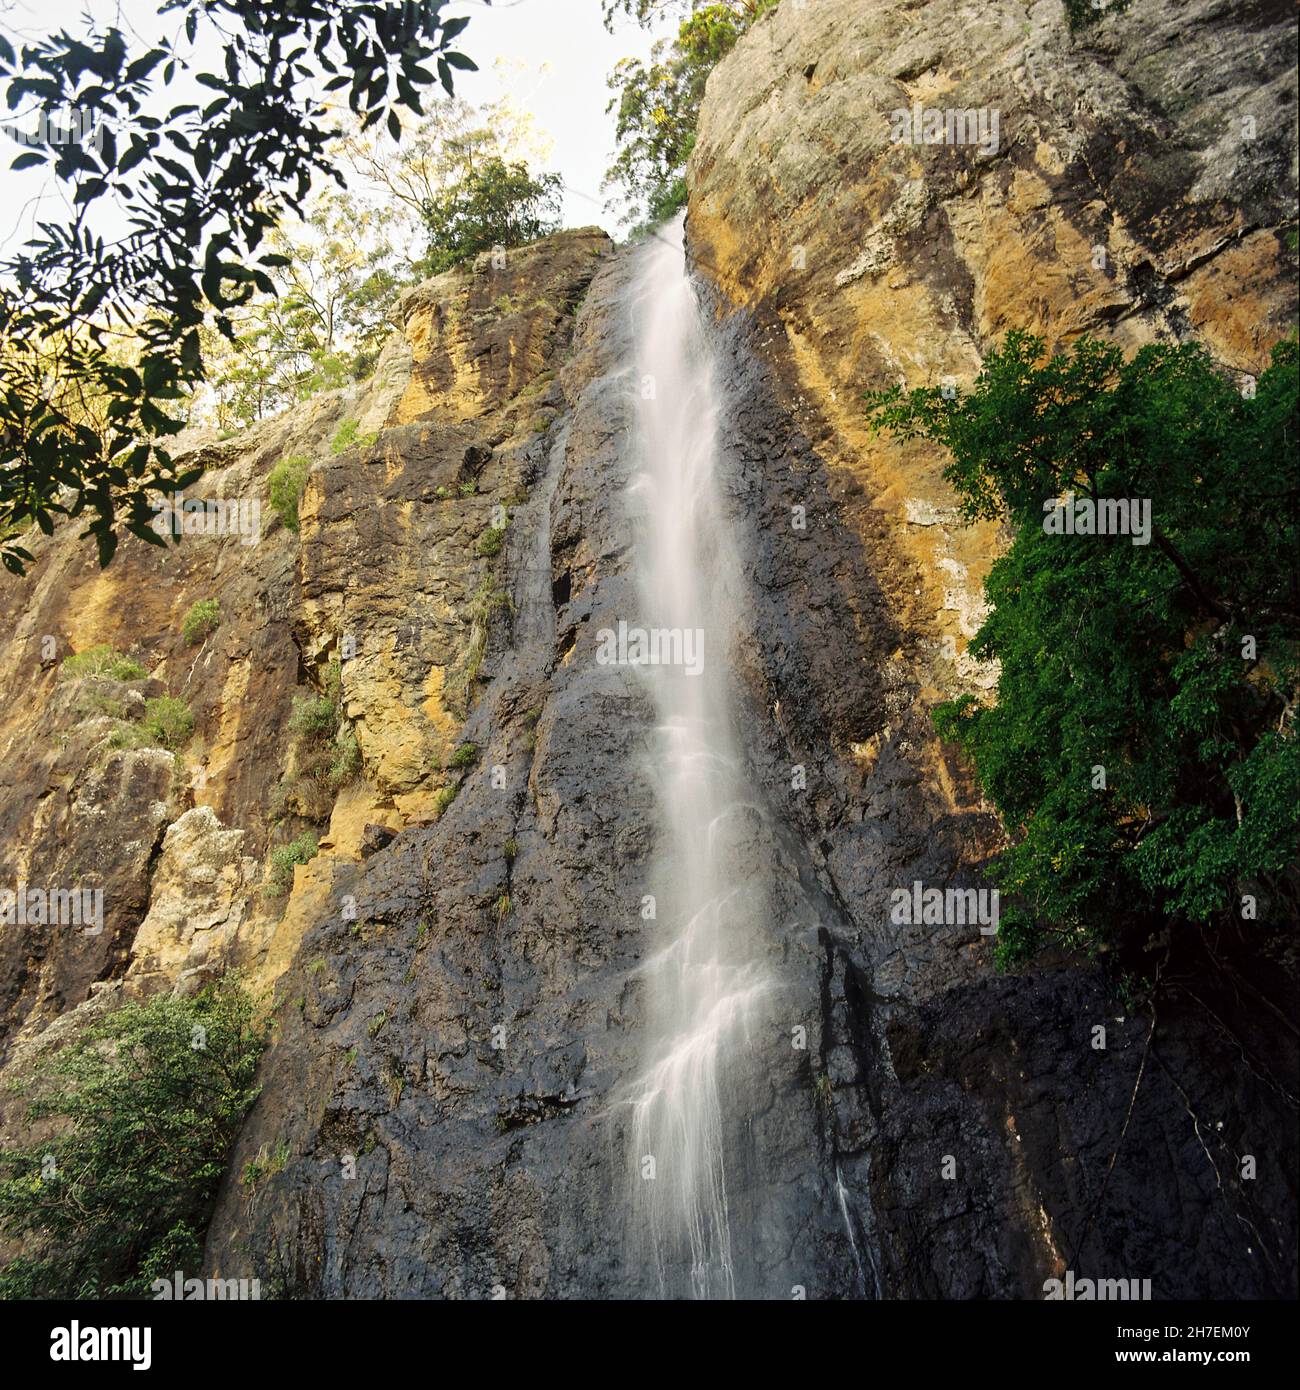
column 1141, row 186
column 451, row 1075
column 383, row 578
column 1134, row 180
column 454, row 976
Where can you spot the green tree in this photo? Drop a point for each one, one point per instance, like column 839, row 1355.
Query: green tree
column 322, row 327
column 494, row 204
column 347, row 262
column 1142, row 746
column 146, row 1103
column 657, row 104
column 201, row 188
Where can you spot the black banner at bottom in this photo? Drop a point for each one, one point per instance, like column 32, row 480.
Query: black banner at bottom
column 213, row 1339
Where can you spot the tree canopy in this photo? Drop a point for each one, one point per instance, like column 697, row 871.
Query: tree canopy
column 201, row 186
column 147, row 1101
column 493, row 204
column 657, row 104
column 1142, row 745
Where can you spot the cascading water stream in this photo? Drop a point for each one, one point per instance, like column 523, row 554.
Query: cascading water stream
column 704, row 984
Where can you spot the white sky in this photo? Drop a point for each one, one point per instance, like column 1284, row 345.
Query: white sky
column 552, row 58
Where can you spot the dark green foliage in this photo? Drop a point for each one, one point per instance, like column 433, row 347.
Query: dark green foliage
column 147, row 1101
column 202, row 187
column 1172, row 665
column 493, row 204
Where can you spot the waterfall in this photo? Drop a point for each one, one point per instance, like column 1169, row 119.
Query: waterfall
column 704, row 985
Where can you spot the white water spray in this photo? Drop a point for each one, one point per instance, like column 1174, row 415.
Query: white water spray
column 703, row 982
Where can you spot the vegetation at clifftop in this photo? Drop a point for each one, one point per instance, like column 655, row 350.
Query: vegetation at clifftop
column 657, row 103
column 83, row 423
column 494, row 204
column 142, row 1110
column 1142, row 746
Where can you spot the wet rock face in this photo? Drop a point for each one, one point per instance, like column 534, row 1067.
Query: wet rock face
column 446, row 1064
column 982, row 1138
column 453, row 1072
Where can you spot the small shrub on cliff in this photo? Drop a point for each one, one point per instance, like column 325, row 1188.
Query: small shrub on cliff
column 345, row 760
column 148, row 1101
column 346, row 436
column 167, row 722
column 287, row 481
column 1081, row 13
column 464, row 756
column 327, row 749
column 1142, row 748
column 267, row 1164
column 317, row 718
column 487, row 602
column 491, row 541
column 102, row 661
column 201, row 621
column 314, row 717
column 285, row 858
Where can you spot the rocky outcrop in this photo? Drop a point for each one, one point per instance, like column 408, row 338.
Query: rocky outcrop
column 1136, row 179
column 388, row 577
column 1141, row 186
